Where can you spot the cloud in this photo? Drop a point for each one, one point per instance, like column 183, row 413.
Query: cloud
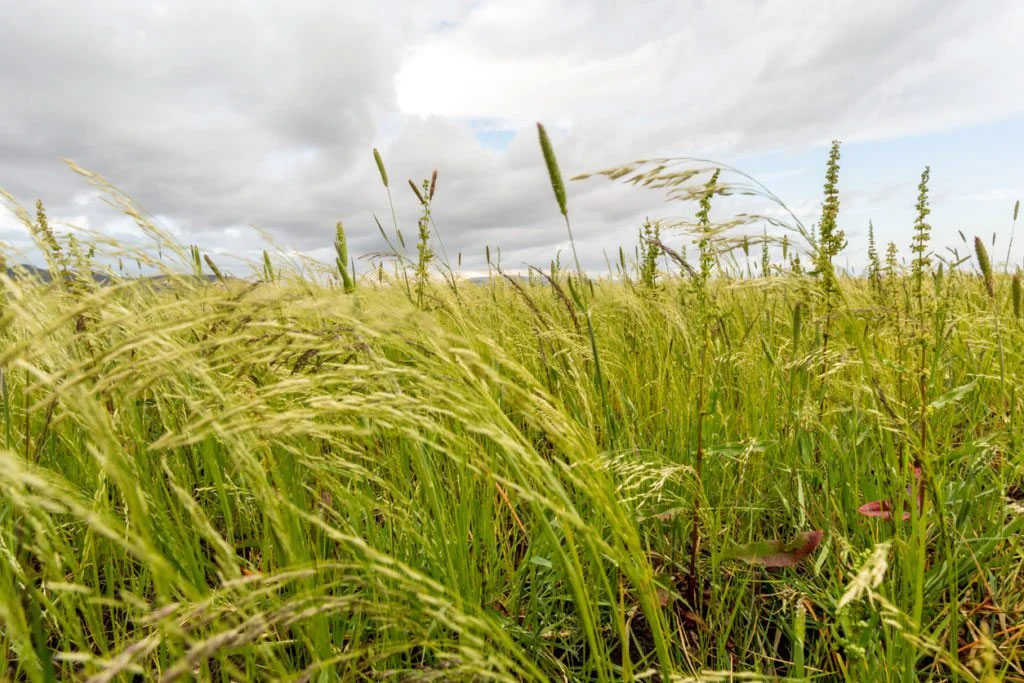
column 216, row 116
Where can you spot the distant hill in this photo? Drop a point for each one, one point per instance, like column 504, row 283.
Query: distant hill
column 43, row 274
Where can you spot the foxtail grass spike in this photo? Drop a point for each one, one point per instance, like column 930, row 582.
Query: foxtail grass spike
column 553, row 171
column 380, row 167
column 416, row 190
column 985, row 266
column 214, row 268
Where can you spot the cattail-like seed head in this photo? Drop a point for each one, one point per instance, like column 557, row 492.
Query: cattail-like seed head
column 380, row 167
column 1016, row 209
column 1016, row 294
column 985, row 265
column 415, row 189
column 433, row 185
column 553, row 172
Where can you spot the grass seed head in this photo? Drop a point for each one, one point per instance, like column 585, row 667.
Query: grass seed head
column 1016, row 294
column 416, row 190
column 985, row 266
column 553, row 172
column 380, row 167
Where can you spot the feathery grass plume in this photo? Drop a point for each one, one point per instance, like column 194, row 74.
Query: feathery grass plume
column 380, row 167
column 342, row 260
column 214, row 268
column 1015, row 294
column 433, row 185
column 985, row 266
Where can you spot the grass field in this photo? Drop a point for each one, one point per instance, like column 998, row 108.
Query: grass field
column 675, row 472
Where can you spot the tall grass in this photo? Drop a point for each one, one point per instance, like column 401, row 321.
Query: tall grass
column 562, row 478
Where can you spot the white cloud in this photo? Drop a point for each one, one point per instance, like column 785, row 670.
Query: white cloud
column 221, row 115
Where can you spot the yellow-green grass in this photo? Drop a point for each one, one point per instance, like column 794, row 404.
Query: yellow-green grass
column 295, row 477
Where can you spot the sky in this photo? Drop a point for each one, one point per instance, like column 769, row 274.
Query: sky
column 235, row 123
